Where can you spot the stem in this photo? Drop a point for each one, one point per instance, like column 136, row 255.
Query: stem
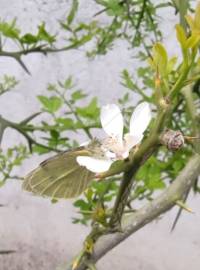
column 143, row 153
column 187, row 92
column 178, row 85
column 79, row 119
column 86, row 129
column 21, row 129
column 2, row 128
column 137, row 27
column 149, row 212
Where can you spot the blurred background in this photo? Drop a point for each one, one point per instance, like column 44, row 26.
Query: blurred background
column 41, row 233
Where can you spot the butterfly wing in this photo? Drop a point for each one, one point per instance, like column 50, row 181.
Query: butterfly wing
column 60, row 176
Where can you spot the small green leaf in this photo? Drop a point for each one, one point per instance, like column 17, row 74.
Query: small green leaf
column 81, row 204
column 44, row 35
column 40, row 149
column 50, row 104
column 53, row 201
column 29, row 39
column 160, row 58
column 114, row 8
column 190, row 21
column 67, row 123
column 128, row 80
column 193, row 41
column 177, row 166
column 54, row 134
column 181, row 35
column 171, row 64
column 9, row 29
column 68, row 83
column 78, row 95
column 155, row 183
column 73, row 11
column 91, row 111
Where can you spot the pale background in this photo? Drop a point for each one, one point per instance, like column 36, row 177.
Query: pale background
column 42, row 233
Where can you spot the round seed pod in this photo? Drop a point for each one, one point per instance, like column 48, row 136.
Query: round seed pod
column 172, row 139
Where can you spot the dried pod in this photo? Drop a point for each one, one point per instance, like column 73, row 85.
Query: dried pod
column 172, row 139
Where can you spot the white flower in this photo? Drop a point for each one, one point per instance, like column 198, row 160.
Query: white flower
column 115, row 146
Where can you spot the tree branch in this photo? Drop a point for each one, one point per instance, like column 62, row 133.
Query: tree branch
column 149, row 212
column 21, row 128
column 2, row 128
column 39, row 49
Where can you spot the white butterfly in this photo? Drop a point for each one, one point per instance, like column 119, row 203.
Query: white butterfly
column 68, row 174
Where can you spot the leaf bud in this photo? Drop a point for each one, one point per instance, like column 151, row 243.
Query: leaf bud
column 172, row 139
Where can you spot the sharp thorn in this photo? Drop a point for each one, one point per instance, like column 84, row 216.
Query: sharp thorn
column 28, row 119
column 184, row 206
column 23, row 65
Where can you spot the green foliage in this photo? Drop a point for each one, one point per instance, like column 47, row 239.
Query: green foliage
column 10, row 30
column 73, row 11
column 64, row 115
column 7, row 83
column 9, row 160
column 66, row 112
column 90, row 111
column 96, row 202
column 51, row 104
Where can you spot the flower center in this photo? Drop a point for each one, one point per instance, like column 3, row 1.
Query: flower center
column 114, row 148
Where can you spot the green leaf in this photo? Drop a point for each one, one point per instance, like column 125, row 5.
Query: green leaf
column 54, row 134
column 190, row 22
column 29, row 39
column 193, row 41
column 177, row 166
column 78, row 95
column 91, row 111
column 51, row 104
column 68, row 83
column 155, row 184
column 181, row 35
column 171, row 64
column 73, row 11
column 128, row 80
column 43, row 35
column 81, row 204
column 9, row 29
column 40, row 149
column 51, row 87
column 67, row 123
column 160, row 58
column 114, row 8
column 84, row 39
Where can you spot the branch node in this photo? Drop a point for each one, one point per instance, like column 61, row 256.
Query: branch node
column 172, row 139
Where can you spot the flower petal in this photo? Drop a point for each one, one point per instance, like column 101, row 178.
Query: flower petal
column 140, row 119
column 93, row 164
column 131, row 141
column 112, row 121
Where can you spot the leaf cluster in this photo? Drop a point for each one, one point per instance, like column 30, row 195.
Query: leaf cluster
column 66, row 111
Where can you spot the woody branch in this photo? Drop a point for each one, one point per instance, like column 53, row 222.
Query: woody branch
column 149, row 212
